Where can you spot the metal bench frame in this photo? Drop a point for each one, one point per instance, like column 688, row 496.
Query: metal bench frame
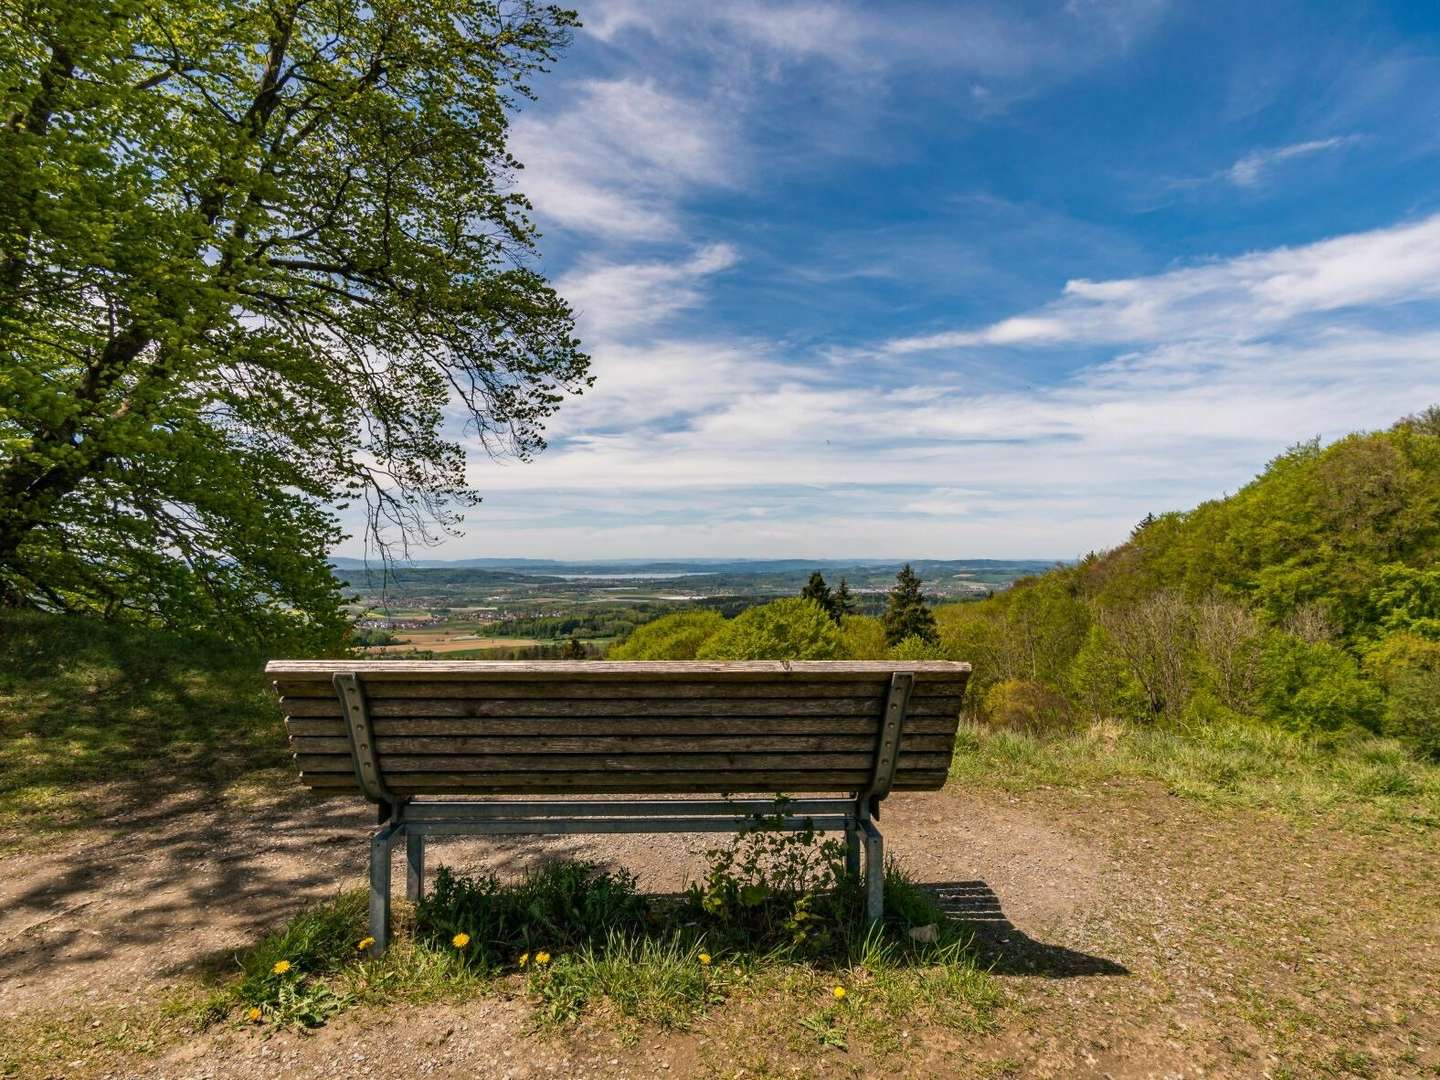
column 413, row 819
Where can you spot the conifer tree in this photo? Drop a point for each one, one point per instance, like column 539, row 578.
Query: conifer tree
column 906, row 615
column 817, row 590
column 844, row 601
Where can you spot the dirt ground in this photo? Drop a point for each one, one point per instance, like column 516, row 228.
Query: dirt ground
column 1134, row 935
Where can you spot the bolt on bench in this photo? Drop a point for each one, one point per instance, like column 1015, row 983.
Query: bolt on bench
column 406, row 734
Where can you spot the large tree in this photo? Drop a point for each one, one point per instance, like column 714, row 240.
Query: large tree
column 259, row 260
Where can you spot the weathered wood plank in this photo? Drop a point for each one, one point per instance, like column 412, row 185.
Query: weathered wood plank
column 637, row 744
column 618, row 726
column 562, row 690
column 395, row 764
column 609, row 690
column 406, row 707
column 639, row 670
column 380, row 708
column 607, row 783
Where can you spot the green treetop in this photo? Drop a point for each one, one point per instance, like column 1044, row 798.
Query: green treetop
column 906, row 615
column 818, row 591
column 259, row 262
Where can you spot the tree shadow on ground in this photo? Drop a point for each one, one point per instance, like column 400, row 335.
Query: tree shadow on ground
column 1005, row 949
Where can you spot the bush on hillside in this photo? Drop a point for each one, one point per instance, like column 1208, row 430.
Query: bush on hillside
column 1028, row 706
column 915, row 648
column 862, row 637
column 1315, row 688
column 1100, row 685
column 1392, row 656
column 671, row 637
column 1412, row 712
column 789, row 629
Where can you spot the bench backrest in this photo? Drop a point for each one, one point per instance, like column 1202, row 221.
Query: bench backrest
column 389, row 729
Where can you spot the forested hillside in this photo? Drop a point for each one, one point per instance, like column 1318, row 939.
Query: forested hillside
column 1309, row 600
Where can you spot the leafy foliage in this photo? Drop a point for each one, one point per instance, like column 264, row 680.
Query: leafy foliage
column 561, row 904
column 670, row 637
column 774, row 889
column 250, row 254
column 789, row 629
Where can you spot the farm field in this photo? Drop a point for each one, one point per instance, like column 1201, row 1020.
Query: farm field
column 448, row 641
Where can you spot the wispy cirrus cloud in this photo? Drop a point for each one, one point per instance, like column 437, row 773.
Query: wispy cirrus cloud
column 1237, row 298
column 1252, row 168
column 620, row 158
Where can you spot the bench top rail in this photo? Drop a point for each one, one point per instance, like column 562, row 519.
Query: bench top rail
column 596, row 727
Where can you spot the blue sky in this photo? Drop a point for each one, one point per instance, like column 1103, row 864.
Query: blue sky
column 967, row 279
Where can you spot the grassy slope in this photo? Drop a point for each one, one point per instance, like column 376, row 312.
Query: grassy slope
column 1364, row 784
column 83, row 703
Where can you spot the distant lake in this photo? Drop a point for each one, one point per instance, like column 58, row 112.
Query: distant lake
column 631, row 576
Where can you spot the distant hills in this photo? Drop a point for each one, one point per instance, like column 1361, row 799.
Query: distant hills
column 644, row 567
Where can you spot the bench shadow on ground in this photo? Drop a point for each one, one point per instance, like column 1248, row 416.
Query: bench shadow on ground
column 1004, row 948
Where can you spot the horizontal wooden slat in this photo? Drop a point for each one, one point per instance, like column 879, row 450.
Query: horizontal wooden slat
column 560, row 690
column 658, row 725
column 608, row 782
column 393, row 707
column 736, row 670
column 613, row 689
column 563, row 690
column 395, row 764
column 629, row 744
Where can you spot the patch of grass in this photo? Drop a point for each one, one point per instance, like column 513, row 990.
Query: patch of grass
column 84, row 702
column 1366, row 781
column 654, row 980
column 575, row 938
column 321, row 963
column 102, row 1039
column 560, row 905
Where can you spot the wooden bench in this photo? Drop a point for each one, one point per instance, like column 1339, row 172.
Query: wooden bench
column 407, row 734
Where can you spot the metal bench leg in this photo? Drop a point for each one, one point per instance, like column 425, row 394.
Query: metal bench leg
column 874, row 872
column 414, row 867
column 380, row 847
column 852, row 851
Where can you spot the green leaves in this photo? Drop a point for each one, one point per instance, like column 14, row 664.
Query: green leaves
column 257, row 262
column 789, row 629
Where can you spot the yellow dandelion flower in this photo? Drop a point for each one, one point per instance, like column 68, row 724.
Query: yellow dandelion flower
column 542, row 958
column 254, row 1014
column 705, row 959
column 364, row 943
column 460, row 940
column 839, row 993
column 281, row 966
column 524, row 959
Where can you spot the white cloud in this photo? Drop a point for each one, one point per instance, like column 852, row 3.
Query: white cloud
column 1237, row 298
column 1248, row 171
column 618, row 161
column 612, row 298
column 988, row 39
